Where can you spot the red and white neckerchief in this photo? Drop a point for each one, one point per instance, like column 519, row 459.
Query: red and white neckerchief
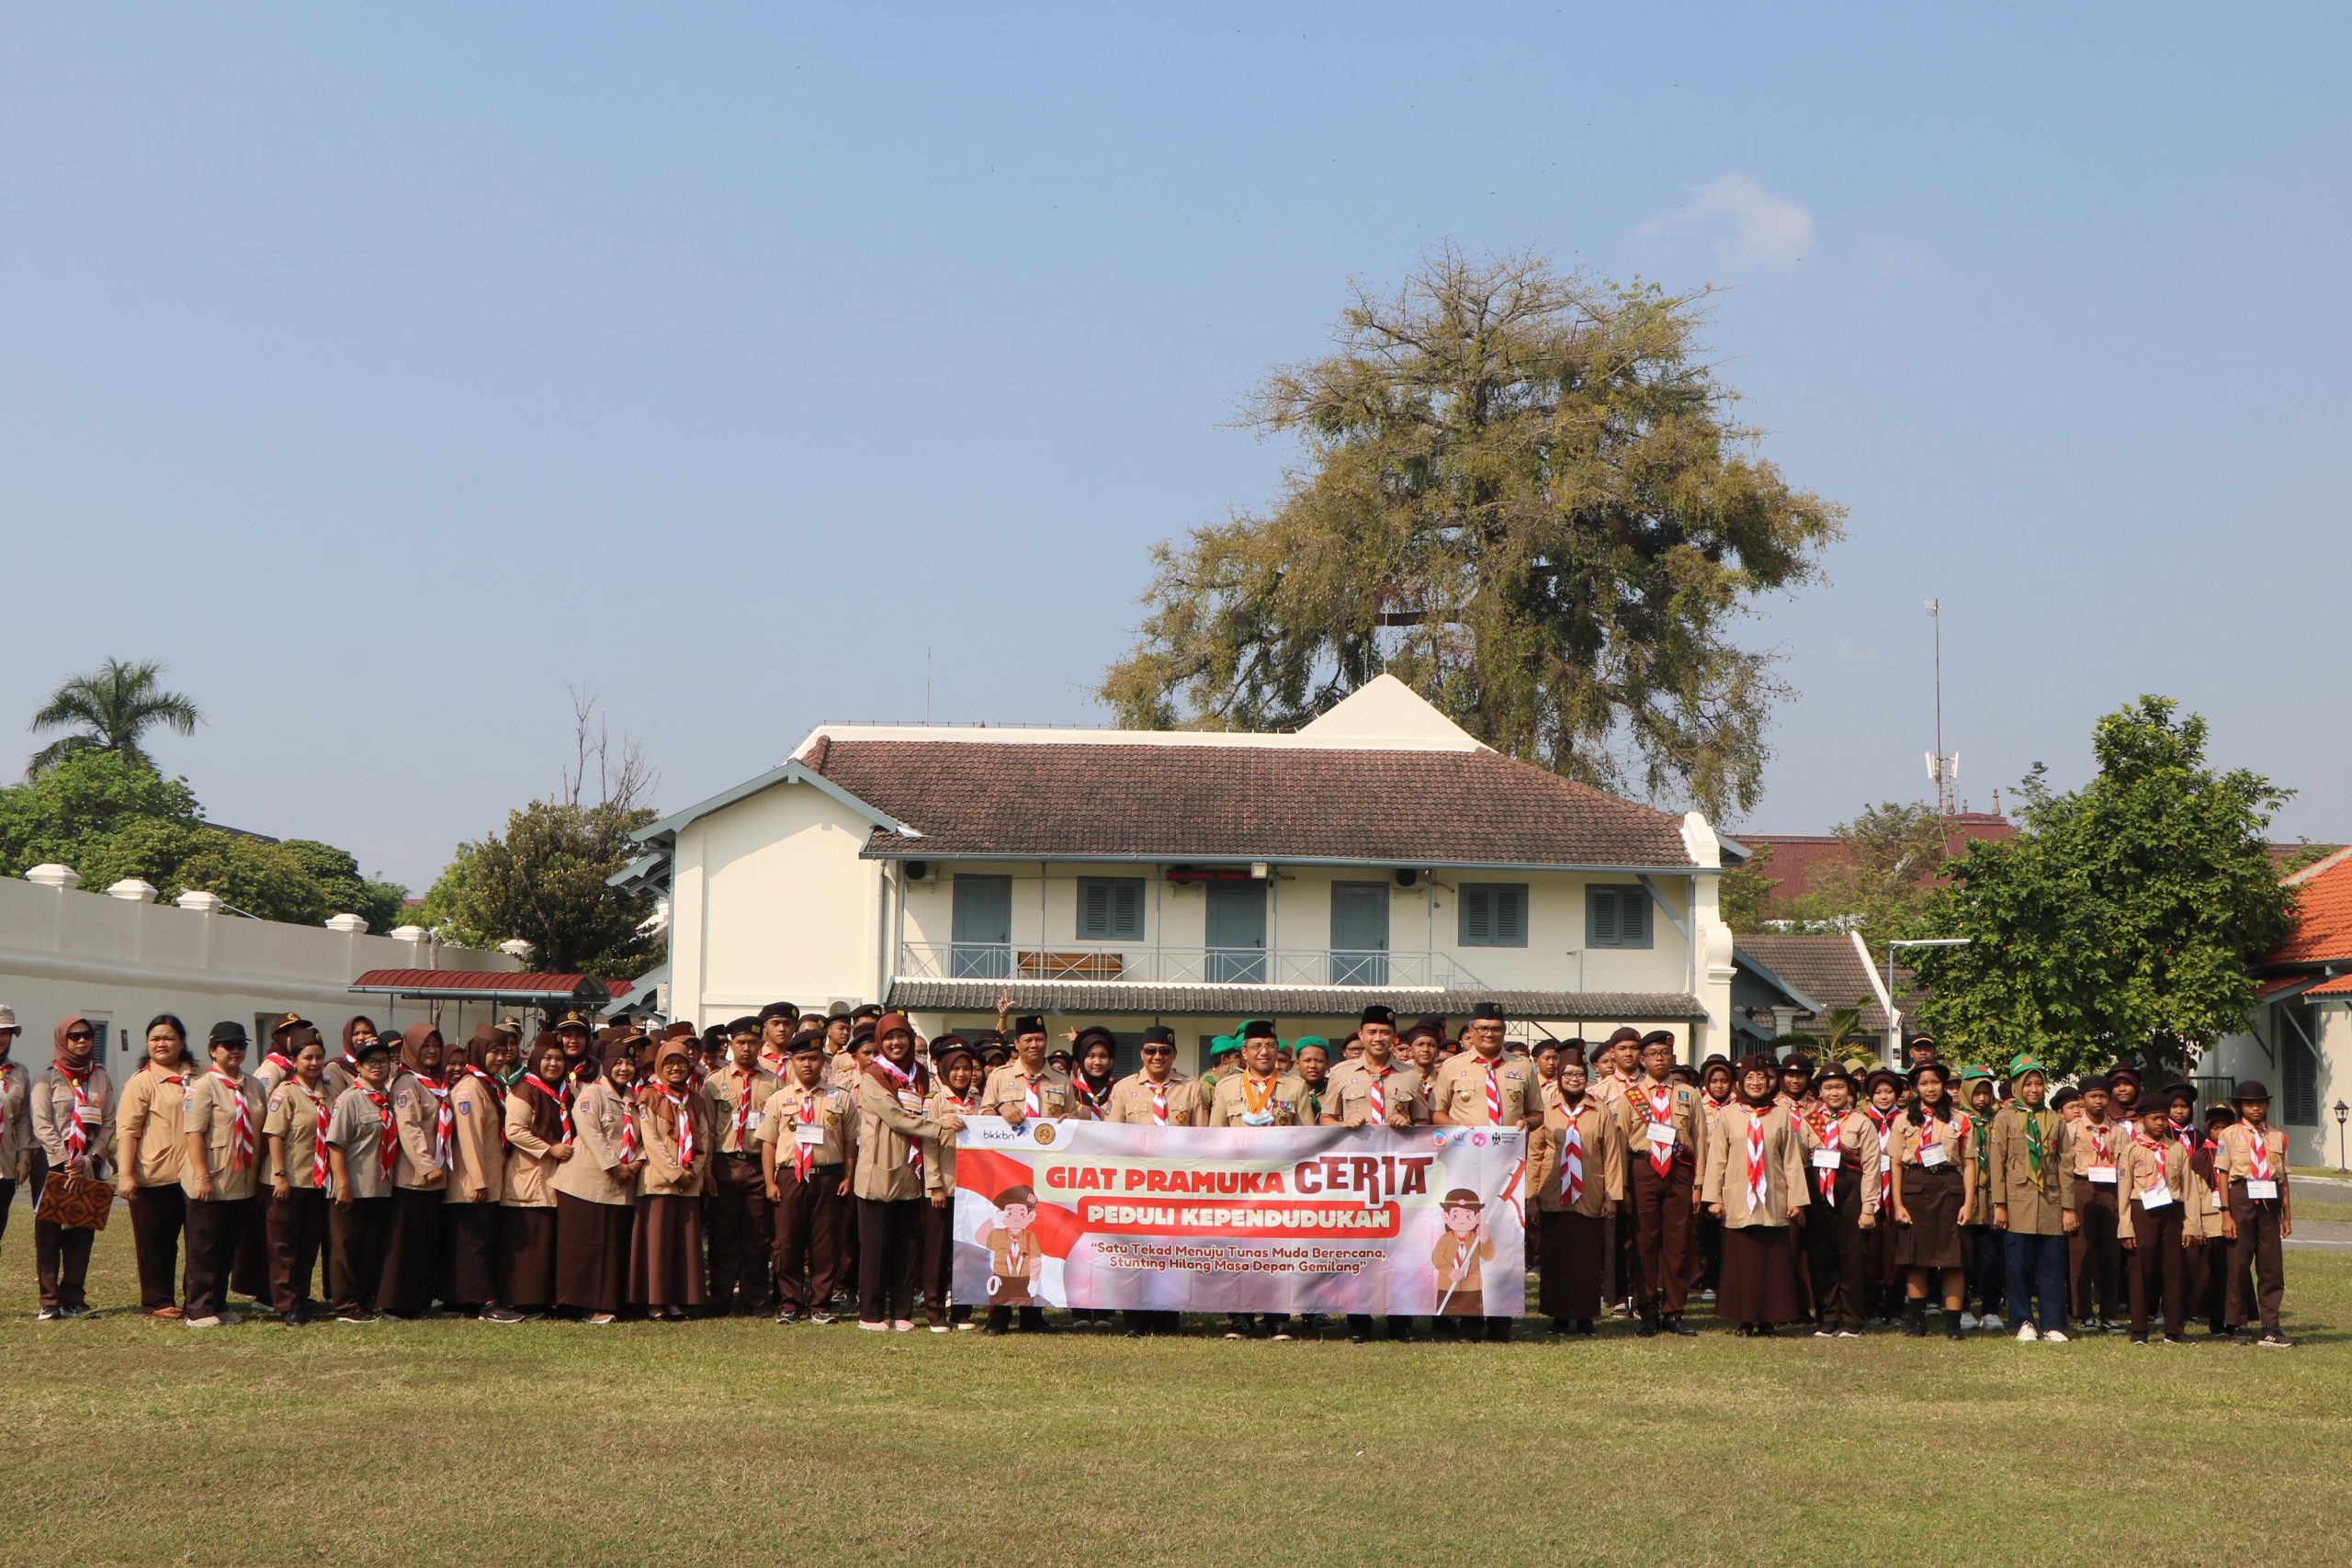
column 1657, row 1106
column 804, row 1156
column 906, row 1082
column 1158, row 1102
column 388, row 1146
column 2097, row 1131
column 284, row 1064
column 1097, row 1103
column 2258, row 1153
column 744, row 1107
column 319, row 1119
column 2156, row 1148
column 630, row 1146
column 1572, row 1153
column 1756, row 1160
column 445, row 1119
column 2185, row 1134
column 1032, row 1102
column 1882, row 1123
column 1831, row 1126
column 684, row 1104
column 77, row 1131
column 1380, row 1094
column 1928, row 1137
column 241, row 1134
column 563, row 1098
column 1494, row 1096
column 497, row 1097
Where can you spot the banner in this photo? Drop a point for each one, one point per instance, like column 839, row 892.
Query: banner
column 1379, row 1220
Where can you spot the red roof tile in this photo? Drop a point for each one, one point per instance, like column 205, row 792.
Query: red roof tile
column 2322, row 913
column 2339, row 986
column 1798, row 860
column 1028, row 799
column 490, row 984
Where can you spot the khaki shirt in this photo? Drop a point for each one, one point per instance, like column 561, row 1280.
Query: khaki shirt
column 53, row 1108
column 1131, row 1101
column 725, row 1089
column 150, row 1112
column 2142, row 1169
column 532, row 1168
column 597, row 1114
column 16, row 1122
column 1785, row 1188
column 2090, row 1147
column 664, row 1176
column 208, row 1109
column 1911, row 1142
column 415, row 1109
column 1008, row 1091
column 2233, row 1154
column 293, row 1116
column 1459, row 1094
column 356, row 1127
column 1276, row 1099
column 835, row 1114
column 1682, row 1114
column 889, row 1131
column 2036, row 1203
column 1312, row 1101
column 1347, row 1099
column 1856, row 1144
column 1603, row 1142
column 477, row 1150
column 939, row 1153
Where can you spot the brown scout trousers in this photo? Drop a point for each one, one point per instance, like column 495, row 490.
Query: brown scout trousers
column 809, row 1222
column 2256, row 1248
column 741, row 1225
column 1833, row 1246
column 2095, row 1252
column 297, row 1224
column 214, row 1227
column 2158, row 1267
column 1661, row 1232
column 158, row 1215
column 357, row 1236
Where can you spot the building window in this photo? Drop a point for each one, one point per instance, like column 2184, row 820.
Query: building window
column 1110, row 908
column 1494, row 914
column 2299, row 1064
column 1617, row 917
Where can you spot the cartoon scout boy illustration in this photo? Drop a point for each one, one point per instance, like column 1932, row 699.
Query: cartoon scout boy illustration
column 1465, row 1245
column 1014, row 1254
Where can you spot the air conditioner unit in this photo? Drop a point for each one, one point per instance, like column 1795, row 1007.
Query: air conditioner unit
column 920, row 871
column 1409, row 876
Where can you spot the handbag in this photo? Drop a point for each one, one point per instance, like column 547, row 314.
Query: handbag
column 76, row 1202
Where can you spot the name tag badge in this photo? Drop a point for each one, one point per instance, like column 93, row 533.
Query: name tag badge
column 1256, row 1118
column 2262, row 1189
column 751, row 1119
column 1662, row 1134
column 1932, row 1155
column 1885, row 1164
column 2104, row 1175
column 90, row 1115
column 911, row 1100
column 1828, row 1159
column 811, row 1135
column 2154, row 1198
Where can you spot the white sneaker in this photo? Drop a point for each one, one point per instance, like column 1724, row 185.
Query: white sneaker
column 874, row 1327
column 1706, row 1296
column 1968, row 1320
column 1991, row 1320
column 2028, row 1334
column 2055, row 1336
column 229, row 1319
column 204, row 1323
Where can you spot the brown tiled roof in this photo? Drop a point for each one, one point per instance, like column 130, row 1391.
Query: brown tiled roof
column 1034, row 799
column 1799, row 859
column 484, row 984
column 1088, row 997
column 1826, row 968
column 2322, row 914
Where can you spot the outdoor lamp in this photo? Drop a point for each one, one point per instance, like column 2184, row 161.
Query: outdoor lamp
column 2342, row 1110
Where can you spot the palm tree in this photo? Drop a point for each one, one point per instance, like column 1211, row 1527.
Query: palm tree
column 115, row 706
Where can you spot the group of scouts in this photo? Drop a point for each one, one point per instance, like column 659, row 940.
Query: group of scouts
column 785, row 1164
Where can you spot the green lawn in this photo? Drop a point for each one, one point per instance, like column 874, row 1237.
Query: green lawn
column 465, row 1442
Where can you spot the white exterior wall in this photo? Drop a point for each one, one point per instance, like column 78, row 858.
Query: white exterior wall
column 2244, row 1056
column 769, row 902
column 122, row 963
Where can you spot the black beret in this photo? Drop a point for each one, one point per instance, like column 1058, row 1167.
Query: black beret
column 2173, row 1091
column 870, row 1009
column 809, row 1042
column 1376, row 1013
column 1658, row 1037
column 747, row 1024
column 785, row 1010
column 2250, row 1090
column 1624, row 1031
column 2065, row 1098
column 1797, row 1062
column 228, row 1032
column 2096, row 1081
column 1432, row 1026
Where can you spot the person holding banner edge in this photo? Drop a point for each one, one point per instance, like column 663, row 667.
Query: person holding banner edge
column 1481, row 1088
column 1375, row 1090
column 1156, row 1096
column 1256, row 1096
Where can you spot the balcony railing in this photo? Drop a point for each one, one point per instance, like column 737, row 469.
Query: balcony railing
column 1135, row 963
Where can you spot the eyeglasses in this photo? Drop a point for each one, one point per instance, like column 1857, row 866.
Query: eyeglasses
column 1159, row 1050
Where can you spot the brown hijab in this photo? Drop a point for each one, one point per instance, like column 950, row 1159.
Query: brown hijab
column 412, row 1040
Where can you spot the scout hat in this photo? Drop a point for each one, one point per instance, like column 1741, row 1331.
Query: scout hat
column 1682, row 1073
column 1833, row 1073
column 1059, row 1057
column 2065, row 1098
column 1091, row 1032
column 808, row 1043
column 1377, row 1013
column 1462, row 1198
column 2123, row 1070
column 2024, row 1062
column 1661, row 1037
column 1425, row 1029
column 785, row 1010
column 2095, row 1081
column 1870, row 1081
column 1223, row 1046
column 1624, row 1032
column 946, row 1042
column 1797, row 1062
column 1712, row 1062
column 2178, row 1090
column 511, row 1024
column 1487, row 1012
column 7, row 1017
column 575, row 1019
column 869, row 1009
column 1028, row 1024
column 2250, row 1091
column 1159, row 1034
column 228, row 1032
column 862, row 1030
column 374, row 1046
column 1304, row 1041
column 288, row 1022
column 680, row 1029
column 1258, row 1028
column 1017, row 1194
column 747, row 1024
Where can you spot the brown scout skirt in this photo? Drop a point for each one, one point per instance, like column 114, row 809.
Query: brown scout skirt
column 526, row 1258
column 1575, row 1255
column 1932, row 1239
column 665, row 1253
column 470, row 1252
column 412, row 1263
column 592, row 1253
column 1759, row 1276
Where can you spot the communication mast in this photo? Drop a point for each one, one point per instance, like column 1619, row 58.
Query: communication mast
column 1944, row 766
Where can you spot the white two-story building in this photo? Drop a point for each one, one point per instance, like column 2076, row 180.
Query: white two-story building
column 1128, row 877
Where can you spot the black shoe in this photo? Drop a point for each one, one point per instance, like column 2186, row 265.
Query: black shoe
column 1766, row 1331
column 1500, row 1332
column 1646, row 1329
column 355, row 1314
column 2138, row 1339
column 1584, row 1327
column 501, row 1315
column 1952, row 1329
column 1915, row 1321
column 2241, row 1335
column 1357, row 1338
column 995, row 1330
column 2175, row 1339
column 292, row 1319
column 1134, row 1333
column 1676, row 1326
column 1559, row 1326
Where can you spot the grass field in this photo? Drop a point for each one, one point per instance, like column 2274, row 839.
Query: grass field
column 452, row 1442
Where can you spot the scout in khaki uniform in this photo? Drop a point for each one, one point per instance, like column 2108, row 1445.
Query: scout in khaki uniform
column 1255, row 1097
column 2179, row 1125
column 740, row 1218
column 73, row 1123
column 1882, row 1108
column 1662, row 1123
column 1460, row 1256
column 343, row 1070
column 2033, row 1201
column 472, row 1203
column 665, row 1253
column 2162, row 1221
column 2250, row 1162
column 894, row 1121
column 2094, row 1145
column 957, row 1070
column 16, row 1119
column 538, row 1128
column 1026, row 1085
column 1577, row 1169
column 1986, row 1286
column 1484, row 1087
column 1841, row 1160
column 1094, row 1050
column 1376, row 1089
column 221, row 1121
column 295, row 1126
column 805, row 1151
column 595, row 1190
column 363, row 1147
column 147, row 1135
column 1935, row 1191
column 1156, row 1096
column 779, row 1021
column 423, row 1128
column 1756, row 1183
column 1716, row 1092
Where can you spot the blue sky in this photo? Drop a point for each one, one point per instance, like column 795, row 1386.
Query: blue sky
column 388, row 370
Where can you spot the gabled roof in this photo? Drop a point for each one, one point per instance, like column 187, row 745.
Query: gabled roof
column 2322, row 932
column 1832, row 969
column 664, row 833
column 1063, row 800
